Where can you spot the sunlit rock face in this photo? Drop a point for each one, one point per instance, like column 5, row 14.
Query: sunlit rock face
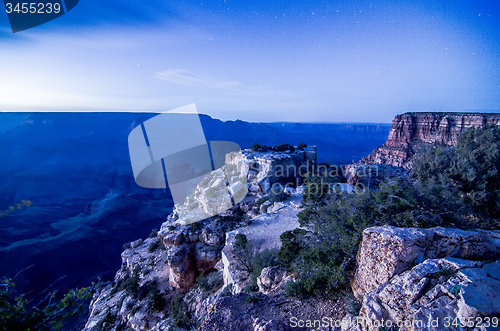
column 244, row 173
column 410, row 132
column 264, row 169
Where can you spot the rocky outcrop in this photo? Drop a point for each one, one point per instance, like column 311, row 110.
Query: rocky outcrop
column 411, row 132
column 272, row 280
column 124, row 304
column 195, row 249
column 366, row 176
column 262, row 233
column 191, row 250
column 245, row 174
column 388, row 251
column 266, row 168
column 424, row 275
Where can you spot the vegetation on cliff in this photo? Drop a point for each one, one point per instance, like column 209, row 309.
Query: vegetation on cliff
column 449, row 187
column 45, row 311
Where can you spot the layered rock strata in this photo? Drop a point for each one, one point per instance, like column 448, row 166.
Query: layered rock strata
column 411, row 132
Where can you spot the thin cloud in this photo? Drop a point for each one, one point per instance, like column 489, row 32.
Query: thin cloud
column 186, row 78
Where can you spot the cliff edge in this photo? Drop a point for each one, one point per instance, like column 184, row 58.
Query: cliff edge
column 412, row 132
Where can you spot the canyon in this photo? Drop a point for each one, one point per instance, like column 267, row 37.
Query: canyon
column 411, row 133
column 402, row 275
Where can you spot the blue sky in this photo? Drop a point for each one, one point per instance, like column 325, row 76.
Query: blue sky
column 332, row 61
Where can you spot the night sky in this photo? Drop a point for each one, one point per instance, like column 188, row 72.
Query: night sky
column 328, row 61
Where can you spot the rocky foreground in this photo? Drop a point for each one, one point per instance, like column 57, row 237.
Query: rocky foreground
column 187, row 276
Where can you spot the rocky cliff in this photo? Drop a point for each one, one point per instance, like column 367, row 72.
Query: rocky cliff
column 411, row 132
column 427, row 279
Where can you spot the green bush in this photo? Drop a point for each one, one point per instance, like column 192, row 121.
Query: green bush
column 455, row 290
column 179, row 312
column 131, row 284
column 204, row 283
column 156, row 300
column 42, row 312
column 250, row 288
column 284, row 147
column 471, row 170
column 291, row 245
column 301, row 146
column 260, row 148
column 261, row 201
column 352, row 305
column 251, row 299
column 153, row 246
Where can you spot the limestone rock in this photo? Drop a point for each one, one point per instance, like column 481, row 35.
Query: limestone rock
column 191, row 250
column 136, row 243
column 388, row 251
column 436, row 290
column 420, row 276
column 271, row 279
column 147, row 262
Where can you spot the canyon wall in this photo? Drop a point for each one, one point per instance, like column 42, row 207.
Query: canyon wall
column 412, row 132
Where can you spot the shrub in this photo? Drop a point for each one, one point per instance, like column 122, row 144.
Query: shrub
column 352, row 304
column 295, row 289
column 446, row 273
column 260, row 148
column 453, row 187
column 471, row 170
column 156, row 300
column 131, row 284
column 301, row 146
column 203, row 282
column 153, row 246
column 44, row 311
column 455, row 290
column 243, row 253
column 284, row 147
column 180, row 313
column 261, row 201
column 227, row 291
column 291, row 245
column 251, row 299
column 316, row 188
column 250, row 288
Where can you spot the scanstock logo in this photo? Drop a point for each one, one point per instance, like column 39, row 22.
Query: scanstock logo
column 170, row 150
column 27, row 14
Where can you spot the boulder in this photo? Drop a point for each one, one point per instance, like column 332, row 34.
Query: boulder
column 271, row 279
column 423, row 278
column 388, row 251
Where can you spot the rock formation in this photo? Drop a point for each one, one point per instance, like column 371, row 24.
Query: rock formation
column 266, row 168
column 195, row 249
column 411, row 132
column 420, row 275
column 244, row 172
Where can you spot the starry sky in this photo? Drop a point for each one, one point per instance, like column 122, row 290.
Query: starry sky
column 322, row 61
